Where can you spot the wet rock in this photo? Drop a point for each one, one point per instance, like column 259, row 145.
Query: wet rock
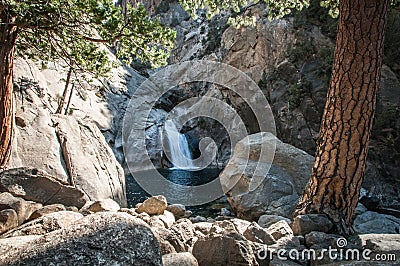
column 153, row 206
column 179, row 259
column 304, row 224
column 116, row 238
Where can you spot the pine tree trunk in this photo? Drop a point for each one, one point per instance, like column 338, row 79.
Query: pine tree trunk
column 339, row 166
column 8, row 32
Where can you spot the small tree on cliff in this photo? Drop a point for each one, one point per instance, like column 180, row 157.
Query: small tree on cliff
column 69, row 30
column 339, row 167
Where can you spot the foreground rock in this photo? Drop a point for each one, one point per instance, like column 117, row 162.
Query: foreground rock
column 23, row 208
column 179, row 259
column 373, row 222
column 45, row 224
column 111, row 238
column 153, row 206
column 286, row 179
column 304, row 224
column 35, row 185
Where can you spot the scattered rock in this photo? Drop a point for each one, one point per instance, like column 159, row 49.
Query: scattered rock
column 198, row 219
column 304, row 224
column 8, row 220
column 114, row 238
column 179, row 259
column 104, row 205
column 178, row 210
column 36, row 185
column 372, row 222
column 203, row 227
column 280, row 229
column 221, row 249
column 46, row 210
column 266, row 220
column 181, row 235
column 381, row 242
column 153, row 206
column 256, row 233
column 45, row 224
column 23, row 208
column 225, row 212
column 240, row 225
column 167, row 219
column 317, row 240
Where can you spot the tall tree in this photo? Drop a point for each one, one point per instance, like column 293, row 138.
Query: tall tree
column 339, row 167
column 340, row 159
column 70, row 31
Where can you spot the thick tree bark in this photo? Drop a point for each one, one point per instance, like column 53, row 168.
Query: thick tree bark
column 8, row 38
column 339, row 166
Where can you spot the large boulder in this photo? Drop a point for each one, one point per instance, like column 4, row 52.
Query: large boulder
column 71, row 148
column 286, row 178
column 112, row 238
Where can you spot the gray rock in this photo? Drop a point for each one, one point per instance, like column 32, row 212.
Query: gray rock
column 280, row 229
column 256, row 233
column 284, row 179
column 153, row 206
column 45, row 224
column 373, row 222
column 35, row 185
column 89, row 160
column 381, row 242
column 23, row 208
column 221, row 249
column 179, row 259
column 266, row 220
column 8, row 220
column 181, row 235
column 304, row 224
column 105, row 237
column 177, row 209
column 320, row 240
column 198, row 219
column 46, row 210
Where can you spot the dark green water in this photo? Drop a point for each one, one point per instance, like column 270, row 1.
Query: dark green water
column 135, row 194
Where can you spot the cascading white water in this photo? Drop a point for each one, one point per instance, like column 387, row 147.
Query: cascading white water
column 180, row 155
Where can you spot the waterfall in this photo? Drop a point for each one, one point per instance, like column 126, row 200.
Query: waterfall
column 179, row 153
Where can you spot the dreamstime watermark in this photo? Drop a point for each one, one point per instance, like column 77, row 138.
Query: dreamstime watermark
column 338, row 253
column 138, row 118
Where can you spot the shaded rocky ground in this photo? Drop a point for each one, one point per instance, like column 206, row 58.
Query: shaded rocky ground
column 155, row 233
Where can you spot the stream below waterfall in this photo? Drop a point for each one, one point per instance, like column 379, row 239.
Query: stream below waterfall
column 136, row 194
